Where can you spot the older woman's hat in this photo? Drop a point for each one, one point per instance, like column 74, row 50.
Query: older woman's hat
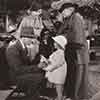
column 57, row 4
column 67, row 5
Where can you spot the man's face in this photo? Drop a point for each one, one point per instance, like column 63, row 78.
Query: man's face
column 32, row 46
column 67, row 12
column 29, row 41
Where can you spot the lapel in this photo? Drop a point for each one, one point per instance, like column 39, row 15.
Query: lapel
column 22, row 48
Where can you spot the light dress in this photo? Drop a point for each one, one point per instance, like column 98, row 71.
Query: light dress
column 57, row 69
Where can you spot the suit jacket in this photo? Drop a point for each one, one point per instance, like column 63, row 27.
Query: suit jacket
column 19, row 62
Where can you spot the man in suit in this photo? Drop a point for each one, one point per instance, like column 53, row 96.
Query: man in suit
column 23, row 58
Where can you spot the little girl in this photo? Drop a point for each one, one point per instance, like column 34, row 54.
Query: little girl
column 56, row 69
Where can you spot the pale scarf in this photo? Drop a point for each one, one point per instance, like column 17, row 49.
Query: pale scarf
column 38, row 25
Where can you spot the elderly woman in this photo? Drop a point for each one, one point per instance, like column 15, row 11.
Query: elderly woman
column 76, row 52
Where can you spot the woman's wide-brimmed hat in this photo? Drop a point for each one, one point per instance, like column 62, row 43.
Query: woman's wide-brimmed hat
column 67, row 5
column 63, row 4
column 58, row 4
column 61, row 40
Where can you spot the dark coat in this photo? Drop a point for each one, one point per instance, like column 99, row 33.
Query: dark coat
column 4, row 68
column 26, row 75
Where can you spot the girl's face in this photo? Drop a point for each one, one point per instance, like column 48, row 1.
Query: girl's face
column 67, row 12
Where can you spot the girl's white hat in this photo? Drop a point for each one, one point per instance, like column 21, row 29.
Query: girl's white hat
column 61, row 40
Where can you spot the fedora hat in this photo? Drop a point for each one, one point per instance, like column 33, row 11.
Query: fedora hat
column 61, row 40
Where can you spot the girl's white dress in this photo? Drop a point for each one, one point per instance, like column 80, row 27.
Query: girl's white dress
column 57, row 69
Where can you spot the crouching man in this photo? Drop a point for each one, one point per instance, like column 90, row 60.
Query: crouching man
column 23, row 57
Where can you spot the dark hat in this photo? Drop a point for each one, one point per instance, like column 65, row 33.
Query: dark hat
column 67, row 5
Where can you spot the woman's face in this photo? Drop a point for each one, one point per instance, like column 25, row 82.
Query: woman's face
column 67, row 12
column 59, row 17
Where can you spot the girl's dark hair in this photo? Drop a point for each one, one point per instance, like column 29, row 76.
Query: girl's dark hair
column 36, row 4
column 67, row 5
column 46, row 4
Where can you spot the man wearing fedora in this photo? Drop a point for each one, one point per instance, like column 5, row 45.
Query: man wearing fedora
column 76, row 52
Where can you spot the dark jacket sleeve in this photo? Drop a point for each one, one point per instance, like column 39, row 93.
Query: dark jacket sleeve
column 78, row 28
column 61, row 29
column 17, row 65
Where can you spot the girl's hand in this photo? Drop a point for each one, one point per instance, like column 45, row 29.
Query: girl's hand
column 42, row 65
column 43, row 59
